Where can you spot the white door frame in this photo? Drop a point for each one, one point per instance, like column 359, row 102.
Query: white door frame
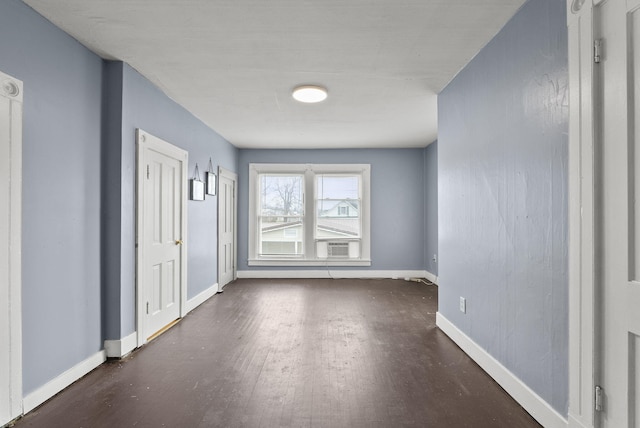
column 12, row 89
column 146, row 141
column 584, row 213
column 222, row 172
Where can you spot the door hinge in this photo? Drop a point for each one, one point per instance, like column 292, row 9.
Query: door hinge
column 599, row 399
column 597, row 50
column 147, row 308
column 147, row 172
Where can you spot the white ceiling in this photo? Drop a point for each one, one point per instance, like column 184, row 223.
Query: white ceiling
column 233, row 63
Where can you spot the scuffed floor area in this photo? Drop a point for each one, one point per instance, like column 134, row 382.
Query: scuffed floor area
column 294, row 353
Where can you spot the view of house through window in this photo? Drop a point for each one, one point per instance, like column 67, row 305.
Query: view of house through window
column 309, row 214
column 281, row 214
column 338, row 206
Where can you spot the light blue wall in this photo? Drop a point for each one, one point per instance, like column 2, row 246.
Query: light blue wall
column 430, row 167
column 502, row 206
column 80, row 115
column 501, row 183
column 62, row 192
column 397, row 208
column 144, row 106
column 111, row 198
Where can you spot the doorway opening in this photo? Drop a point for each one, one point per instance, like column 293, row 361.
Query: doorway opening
column 227, row 230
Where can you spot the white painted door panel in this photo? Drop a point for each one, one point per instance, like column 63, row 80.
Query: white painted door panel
column 162, row 208
column 161, row 228
column 10, row 248
column 619, row 29
column 226, row 227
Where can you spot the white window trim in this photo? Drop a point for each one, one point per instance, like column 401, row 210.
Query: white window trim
column 309, row 171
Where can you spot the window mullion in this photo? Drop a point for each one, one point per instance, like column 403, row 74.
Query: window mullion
column 309, row 217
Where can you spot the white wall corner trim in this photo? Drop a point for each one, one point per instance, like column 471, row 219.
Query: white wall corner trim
column 332, row 274
column 525, row 396
column 11, row 128
column 202, row 297
column 431, row 277
column 59, row 383
column 121, row 347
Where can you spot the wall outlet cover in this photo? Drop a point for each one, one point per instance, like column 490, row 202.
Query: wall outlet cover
column 463, row 305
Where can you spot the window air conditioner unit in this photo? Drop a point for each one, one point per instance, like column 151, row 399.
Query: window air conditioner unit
column 338, row 249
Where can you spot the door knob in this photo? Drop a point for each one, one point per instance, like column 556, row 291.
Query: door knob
column 178, row 241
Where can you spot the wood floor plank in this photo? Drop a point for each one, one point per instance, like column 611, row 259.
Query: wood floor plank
column 294, row 353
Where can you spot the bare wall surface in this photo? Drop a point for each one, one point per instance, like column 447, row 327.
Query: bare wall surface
column 148, row 108
column 397, row 209
column 431, row 207
column 502, row 205
column 111, row 206
column 80, row 115
column 61, row 186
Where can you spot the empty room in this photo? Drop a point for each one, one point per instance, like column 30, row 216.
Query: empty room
column 361, row 213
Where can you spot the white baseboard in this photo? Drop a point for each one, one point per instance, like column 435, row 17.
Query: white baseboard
column 525, row 396
column 202, row 297
column 324, row 273
column 59, row 383
column 431, row 277
column 121, row 347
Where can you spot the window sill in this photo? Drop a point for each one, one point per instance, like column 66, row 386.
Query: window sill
column 308, row 262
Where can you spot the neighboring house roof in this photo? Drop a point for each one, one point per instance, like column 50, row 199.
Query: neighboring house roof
column 345, row 225
column 351, row 203
column 268, row 227
column 354, row 204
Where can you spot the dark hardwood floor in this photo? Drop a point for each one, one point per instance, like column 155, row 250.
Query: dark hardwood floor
column 294, row 353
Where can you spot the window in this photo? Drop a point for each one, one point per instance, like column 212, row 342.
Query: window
column 281, row 214
column 335, row 195
column 309, row 214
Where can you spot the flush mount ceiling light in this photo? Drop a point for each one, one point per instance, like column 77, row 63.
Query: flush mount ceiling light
column 310, row 94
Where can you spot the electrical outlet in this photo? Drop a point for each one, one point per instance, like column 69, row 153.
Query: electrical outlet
column 435, row 258
column 463, row 305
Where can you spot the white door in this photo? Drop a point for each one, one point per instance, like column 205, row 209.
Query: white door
column 226, row 227
column 161, row 227
column 618, row 26
column 10, row 248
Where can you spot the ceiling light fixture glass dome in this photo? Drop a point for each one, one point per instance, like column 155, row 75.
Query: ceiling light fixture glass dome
column 310, row 94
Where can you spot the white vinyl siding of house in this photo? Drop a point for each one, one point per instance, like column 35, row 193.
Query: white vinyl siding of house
column 328, row 209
